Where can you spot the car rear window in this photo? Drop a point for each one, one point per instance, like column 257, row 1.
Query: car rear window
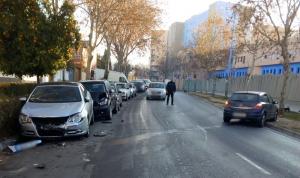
column 244, row 97
column 157, row 85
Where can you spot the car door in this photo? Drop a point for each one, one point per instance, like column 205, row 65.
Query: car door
column 273, row 107
column 88, row 106
column 113, row 95
column 267, row 105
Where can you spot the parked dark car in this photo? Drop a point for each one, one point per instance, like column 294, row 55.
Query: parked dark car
column 140, row 85
column 104, row 103
column 117, row 95
column 254, row 106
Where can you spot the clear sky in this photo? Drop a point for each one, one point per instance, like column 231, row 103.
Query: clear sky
column 176, row 11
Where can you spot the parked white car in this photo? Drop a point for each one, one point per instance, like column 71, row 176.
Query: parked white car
column 124, row 88
column 57, row 110
column 156, row 90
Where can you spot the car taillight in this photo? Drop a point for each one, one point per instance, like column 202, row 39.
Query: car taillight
column 258, row 106
column 227, row 104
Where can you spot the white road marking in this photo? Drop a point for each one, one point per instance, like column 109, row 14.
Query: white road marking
column 204, row 132
column 253, row 164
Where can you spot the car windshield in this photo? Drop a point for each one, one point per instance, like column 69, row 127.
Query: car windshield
column 244, row 97
column 55, row 94
column 157, row 85
column 121, row 85
column 94, row 87
column 147, row 81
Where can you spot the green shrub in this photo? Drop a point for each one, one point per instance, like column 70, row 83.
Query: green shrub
column 10, row 106
column 9, row 114
column 16, row 89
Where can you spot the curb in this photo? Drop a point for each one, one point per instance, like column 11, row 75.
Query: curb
column 283, row 130
column 279, row 129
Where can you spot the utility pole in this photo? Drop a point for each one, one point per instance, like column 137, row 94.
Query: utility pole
column 231, row 56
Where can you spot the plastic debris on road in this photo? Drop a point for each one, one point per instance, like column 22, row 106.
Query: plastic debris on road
column 100, row 134
column 39, row 166
column 23, row 146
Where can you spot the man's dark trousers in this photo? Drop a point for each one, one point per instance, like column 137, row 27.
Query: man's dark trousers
column 172, row 98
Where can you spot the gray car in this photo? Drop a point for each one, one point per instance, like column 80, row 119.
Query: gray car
column 57, row 110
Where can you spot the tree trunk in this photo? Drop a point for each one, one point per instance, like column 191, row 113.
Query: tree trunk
column 38, row 79
column 286, row 69
column 251, row 70
column 88, row 68
column 107, row 62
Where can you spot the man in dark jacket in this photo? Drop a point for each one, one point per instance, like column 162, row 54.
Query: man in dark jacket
column 171, row 89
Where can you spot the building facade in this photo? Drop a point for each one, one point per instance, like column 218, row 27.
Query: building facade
column 158, row 54
column 268, row 63
column 223, row 9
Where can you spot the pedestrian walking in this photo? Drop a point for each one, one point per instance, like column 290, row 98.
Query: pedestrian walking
column 171, row 89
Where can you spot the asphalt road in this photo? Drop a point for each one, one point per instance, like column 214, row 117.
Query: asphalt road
column 150, row 139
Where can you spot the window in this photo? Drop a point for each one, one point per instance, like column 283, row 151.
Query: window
column 266, row 56
column 292, row 69
column 279, row 72
column 298, row 71
column 264, row 98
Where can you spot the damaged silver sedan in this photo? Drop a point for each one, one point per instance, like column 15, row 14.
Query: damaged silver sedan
column 57, row 110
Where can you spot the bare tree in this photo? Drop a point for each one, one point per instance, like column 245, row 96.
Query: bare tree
column 132, row 28
column 280, row 17
column 212, row 42
column 98, row 14
column 250, row 41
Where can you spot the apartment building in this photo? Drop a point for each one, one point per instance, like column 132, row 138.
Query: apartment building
column 269, row 62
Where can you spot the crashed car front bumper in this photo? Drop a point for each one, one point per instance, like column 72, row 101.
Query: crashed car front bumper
column 50, row 131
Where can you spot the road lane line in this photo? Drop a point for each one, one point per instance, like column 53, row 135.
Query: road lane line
column 253, row 164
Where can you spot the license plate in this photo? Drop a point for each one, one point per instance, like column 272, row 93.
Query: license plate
column 239, row 114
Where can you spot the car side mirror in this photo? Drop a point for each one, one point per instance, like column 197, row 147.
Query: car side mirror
column 86, row 100
column 275, row 102
column 23, row 99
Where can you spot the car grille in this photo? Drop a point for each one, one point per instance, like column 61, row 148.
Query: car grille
column 47, row 126
column 47, row 120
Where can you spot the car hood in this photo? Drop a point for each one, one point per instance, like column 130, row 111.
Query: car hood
column 51, row 109
column 98, row 96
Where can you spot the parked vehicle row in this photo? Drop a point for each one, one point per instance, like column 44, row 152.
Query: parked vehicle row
column 62, row 109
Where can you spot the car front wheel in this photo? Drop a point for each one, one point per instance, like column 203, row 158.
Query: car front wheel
column 226, row 119
column 109, row 114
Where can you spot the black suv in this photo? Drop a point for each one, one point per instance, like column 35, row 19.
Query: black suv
column 104, row 103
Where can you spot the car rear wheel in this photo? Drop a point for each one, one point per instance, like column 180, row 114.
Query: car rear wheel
column 226, row 119
column 115, row 109
column 109, row 114
column 274, row 119
column 261, row 122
